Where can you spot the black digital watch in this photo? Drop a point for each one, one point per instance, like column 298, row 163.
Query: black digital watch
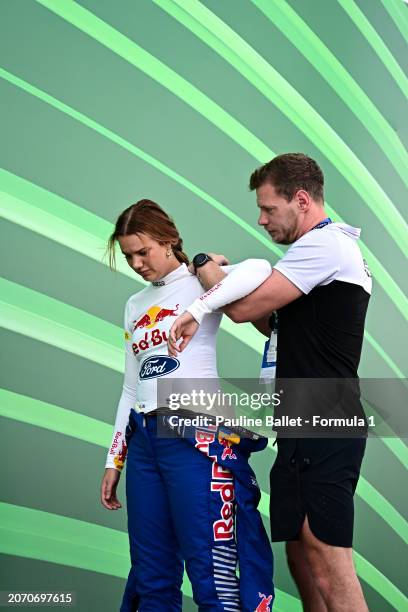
column 200, row 259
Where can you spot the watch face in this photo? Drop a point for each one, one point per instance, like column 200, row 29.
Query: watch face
column 200, row 259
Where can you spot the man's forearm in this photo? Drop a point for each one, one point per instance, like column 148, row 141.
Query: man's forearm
column 210, row 274
column 224, row 289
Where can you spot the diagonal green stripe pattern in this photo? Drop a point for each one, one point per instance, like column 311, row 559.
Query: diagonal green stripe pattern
column 325, row 62
column 54, row 418
column 35, row 534
column 372, row 576
column 378, row 270
column 376, row 43
column 399, row 14
column 388, row 360
column 209, row 28
column 155, row 163
column 28, row 312
column 229, row 45
column 284, row 95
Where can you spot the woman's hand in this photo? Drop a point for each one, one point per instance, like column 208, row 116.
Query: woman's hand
column 110, row 481
column 185, row 326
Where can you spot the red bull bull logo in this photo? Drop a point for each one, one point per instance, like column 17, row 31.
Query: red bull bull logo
column 263, row 605
column 143, row 322
column 154, row 315
column 165, row 312
column 227, row 452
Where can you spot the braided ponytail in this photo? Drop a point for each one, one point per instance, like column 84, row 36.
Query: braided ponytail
column 179, row 253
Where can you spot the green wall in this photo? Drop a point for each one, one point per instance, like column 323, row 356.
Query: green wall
column 104, row 102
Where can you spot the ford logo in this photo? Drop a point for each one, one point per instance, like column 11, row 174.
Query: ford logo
column 153, row 367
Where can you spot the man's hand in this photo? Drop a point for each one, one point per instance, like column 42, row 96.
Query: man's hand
column 220, row 260
column 185, row 326
column 109, row 484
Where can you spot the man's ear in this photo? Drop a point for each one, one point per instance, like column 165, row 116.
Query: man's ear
column 303, row 199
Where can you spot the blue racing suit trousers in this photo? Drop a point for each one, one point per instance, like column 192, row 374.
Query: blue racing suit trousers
column 193, row 500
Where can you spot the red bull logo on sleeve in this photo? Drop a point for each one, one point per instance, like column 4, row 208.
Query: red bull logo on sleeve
column 263, row 605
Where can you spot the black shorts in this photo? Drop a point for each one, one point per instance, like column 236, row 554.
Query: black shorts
column 315, row 477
